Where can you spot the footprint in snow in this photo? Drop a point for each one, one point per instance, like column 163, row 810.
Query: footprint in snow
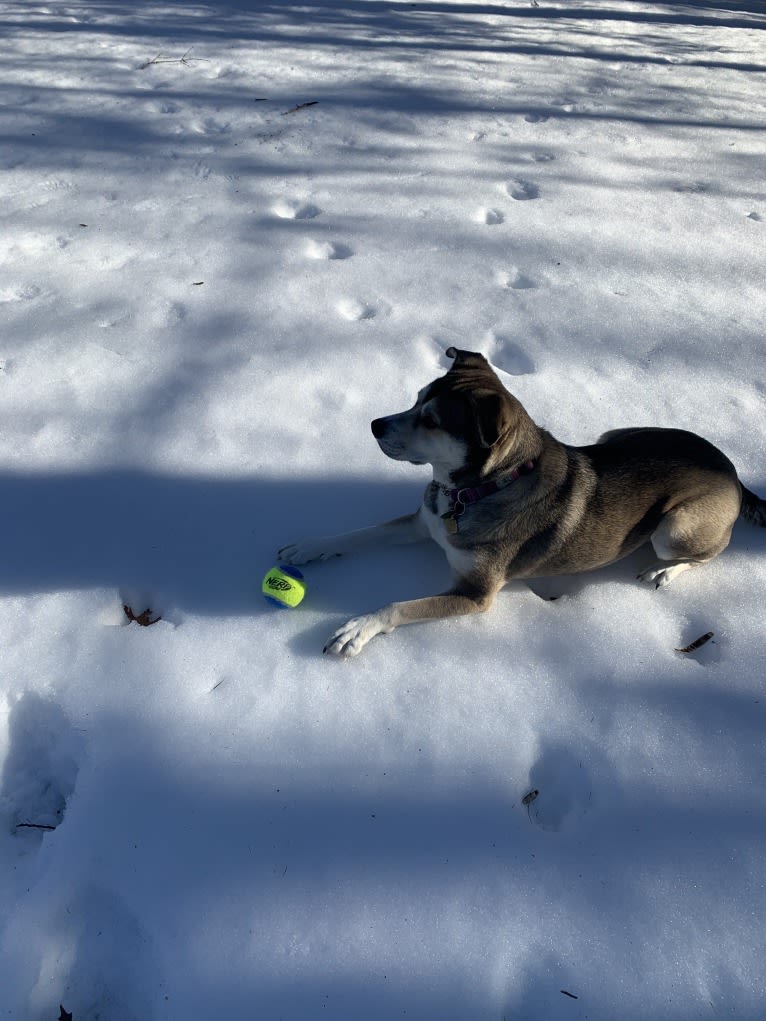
column 291, row 209
column 543, row 157
column 202, row 171
column 170, row 314
column 41, row 766
column 522, row 191
column 691, row 187
column 564, row 789
column 210, row 126
column 491, row 217
column 106, row 948
column 356, row 311
column 536, row 118
column 515, row 280
column 23, row 292
column 327, row 250
column 694, row 645
column 511, row 358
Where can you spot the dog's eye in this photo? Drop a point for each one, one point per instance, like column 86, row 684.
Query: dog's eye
column 428, row 421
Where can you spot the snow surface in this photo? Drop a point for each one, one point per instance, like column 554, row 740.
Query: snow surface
column 205, row 298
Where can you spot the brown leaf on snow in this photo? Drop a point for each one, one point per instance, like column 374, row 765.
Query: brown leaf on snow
column 144, row 618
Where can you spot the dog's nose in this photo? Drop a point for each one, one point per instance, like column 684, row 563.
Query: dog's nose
column 378, row 426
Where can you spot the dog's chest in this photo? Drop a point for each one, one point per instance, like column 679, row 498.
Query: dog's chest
column 435, row 505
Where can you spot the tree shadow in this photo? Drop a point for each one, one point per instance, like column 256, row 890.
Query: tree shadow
column 198, row 544
column 201, row 545
column 330, row 892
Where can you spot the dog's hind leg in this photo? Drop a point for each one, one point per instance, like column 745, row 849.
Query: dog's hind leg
column 692, row 533
column 662, row 573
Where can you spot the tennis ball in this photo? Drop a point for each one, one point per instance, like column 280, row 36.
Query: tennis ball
column 284, row 587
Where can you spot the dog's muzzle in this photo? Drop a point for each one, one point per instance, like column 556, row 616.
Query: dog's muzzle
column 391, row 446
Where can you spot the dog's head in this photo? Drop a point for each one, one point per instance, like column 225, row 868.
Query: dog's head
column 465, row 422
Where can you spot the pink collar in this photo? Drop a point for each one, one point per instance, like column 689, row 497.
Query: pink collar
column 460, row 498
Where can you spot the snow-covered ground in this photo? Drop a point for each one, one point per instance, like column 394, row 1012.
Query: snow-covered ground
column 208, row 289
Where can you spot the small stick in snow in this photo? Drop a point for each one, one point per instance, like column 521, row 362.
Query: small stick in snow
column 697, row 643
column 527, row 800
column 186, row 60
column 570, row 995
column 300, row 106
column 34, row 826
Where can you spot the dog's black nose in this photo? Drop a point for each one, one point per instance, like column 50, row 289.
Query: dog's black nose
column 378, row 426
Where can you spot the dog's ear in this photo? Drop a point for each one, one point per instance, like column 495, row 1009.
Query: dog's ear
column 492, row 418
column 466, row 359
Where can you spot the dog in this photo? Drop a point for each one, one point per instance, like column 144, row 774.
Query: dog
column 509, row 501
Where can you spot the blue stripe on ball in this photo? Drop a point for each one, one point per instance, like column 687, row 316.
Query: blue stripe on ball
column 292, row 571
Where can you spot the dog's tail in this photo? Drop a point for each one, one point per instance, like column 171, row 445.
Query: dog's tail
column 753, row 508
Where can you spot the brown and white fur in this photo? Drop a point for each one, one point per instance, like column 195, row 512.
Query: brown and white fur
column 557, row 509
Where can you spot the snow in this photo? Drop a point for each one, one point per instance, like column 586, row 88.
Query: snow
column 208, row 289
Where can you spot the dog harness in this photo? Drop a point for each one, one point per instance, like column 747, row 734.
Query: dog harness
column 460, row 498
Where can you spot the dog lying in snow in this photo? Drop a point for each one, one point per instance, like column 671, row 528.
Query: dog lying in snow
column 509, row 501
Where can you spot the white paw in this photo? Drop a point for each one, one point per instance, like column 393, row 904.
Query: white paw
column 304, row 552
column 350, row 639
column 662, row 574
column 652, row 575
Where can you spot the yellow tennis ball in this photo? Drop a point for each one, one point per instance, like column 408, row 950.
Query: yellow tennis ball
column 284, row 587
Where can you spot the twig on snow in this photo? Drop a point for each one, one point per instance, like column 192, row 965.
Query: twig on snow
column 185, row 59
column 527, row 800
column 300, row 106
column 697, row 643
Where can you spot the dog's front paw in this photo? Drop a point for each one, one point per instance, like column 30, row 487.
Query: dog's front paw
column 305, row 552
column 350, row 639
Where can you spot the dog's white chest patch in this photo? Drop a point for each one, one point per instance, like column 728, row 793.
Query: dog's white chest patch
column 462, row 561
column 433, row 518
